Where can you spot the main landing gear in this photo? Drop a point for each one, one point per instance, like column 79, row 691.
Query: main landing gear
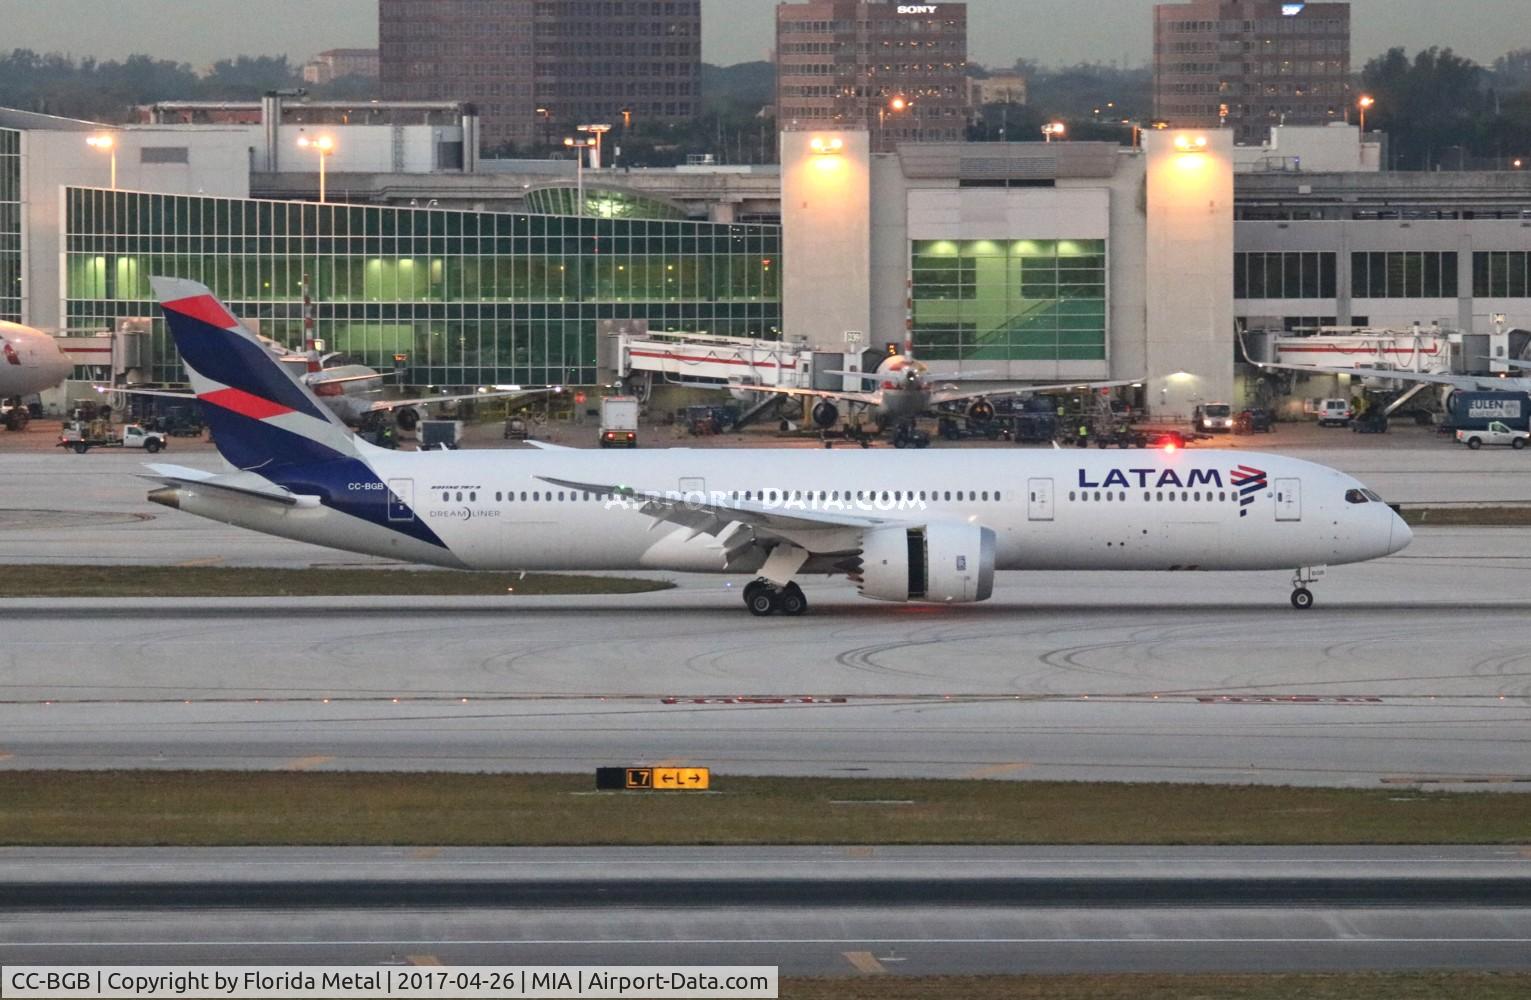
column 763, row 598
column 1302, row 597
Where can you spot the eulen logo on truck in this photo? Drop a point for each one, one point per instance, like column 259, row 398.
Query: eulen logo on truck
column 1493, row 409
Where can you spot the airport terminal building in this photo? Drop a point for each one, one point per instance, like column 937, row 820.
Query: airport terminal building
column 1047, row 262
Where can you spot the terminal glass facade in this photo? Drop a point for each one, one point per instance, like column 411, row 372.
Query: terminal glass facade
column 460, row 298
column 1009, row 300
column 10, row 225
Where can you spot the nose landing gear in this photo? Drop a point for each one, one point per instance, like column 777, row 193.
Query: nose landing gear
column 1302, row 597
column 763, row 598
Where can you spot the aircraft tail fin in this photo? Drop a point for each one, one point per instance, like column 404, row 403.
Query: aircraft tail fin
column 262, row 416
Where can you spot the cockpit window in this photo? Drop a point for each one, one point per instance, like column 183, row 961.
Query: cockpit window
column 1355, row 496
column 1372, row 495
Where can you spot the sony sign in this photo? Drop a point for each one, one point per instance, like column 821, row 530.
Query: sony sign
column 917, row 8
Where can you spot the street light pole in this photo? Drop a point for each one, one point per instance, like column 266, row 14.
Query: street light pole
column 597, row 131
column 1365, row 103
column 324, row 145
column 579, row 146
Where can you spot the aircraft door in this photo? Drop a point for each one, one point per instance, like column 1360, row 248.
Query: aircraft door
column 1289, row 499
column 401, row 500
column 1039, row 499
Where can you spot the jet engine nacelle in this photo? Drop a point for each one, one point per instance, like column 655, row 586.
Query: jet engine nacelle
column 825, row 413
column 981, row 412
column 943, row 563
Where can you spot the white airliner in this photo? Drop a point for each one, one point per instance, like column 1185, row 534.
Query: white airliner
column 902, row 389
column 935, row 527
column 30, row 361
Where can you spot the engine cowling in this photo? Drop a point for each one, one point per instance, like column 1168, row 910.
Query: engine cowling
column 981, row 412
column 825, row 413
column 941, row 563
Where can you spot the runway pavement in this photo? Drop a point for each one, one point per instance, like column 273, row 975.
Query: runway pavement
column 1410, row 670
column 812, row 911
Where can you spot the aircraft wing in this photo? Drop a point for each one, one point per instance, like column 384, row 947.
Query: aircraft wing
column 383, row 405
column 952, row 395
column 169, row 393
column 865, row 398
column 1485, row 383
column 817, row 531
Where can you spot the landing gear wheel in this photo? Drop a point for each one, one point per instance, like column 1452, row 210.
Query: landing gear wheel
column 791, row 601
column 761, row 602
column 1302, row 598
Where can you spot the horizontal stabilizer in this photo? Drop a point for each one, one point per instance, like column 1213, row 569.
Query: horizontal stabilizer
column 239, row 483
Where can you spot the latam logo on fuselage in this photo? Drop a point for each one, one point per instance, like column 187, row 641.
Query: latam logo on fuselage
column 1246, row 480
column 1153, row 479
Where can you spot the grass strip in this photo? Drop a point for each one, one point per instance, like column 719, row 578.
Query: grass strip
column 213, row 808
column 1467, row 516
column 43, row 580
column 1283, row 986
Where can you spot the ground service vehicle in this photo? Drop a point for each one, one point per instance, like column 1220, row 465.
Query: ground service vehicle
column 439, row 433
column 1254, row 420
column 1334, row 412
column 1213, row 417
column 619, row 422
column 1495, row 433
column 1373, row 421
column 81, row 436
column 1468, row 411
column 516, row 429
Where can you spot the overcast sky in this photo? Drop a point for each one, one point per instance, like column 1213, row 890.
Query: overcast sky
column 1051, row 31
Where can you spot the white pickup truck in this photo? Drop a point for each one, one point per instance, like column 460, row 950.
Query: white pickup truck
column 80, row 436
column 1497, row 433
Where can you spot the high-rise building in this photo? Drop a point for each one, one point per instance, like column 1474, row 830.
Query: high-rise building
column 537, row 68
column 1251, row 64
column 897, row 69
column 334, row 64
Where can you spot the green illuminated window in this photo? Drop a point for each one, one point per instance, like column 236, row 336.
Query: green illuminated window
column 470, row 298
column 10, row 225
column 1009, row 300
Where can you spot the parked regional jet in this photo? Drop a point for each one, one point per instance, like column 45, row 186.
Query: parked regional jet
column 30, row 361
column 932, row 527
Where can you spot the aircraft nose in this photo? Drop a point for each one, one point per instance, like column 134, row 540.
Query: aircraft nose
column 1399, row 535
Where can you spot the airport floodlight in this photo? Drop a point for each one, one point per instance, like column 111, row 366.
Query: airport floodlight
column 324, row 145
column 108, row 144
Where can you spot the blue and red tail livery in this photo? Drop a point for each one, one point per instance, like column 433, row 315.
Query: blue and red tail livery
column 264, row 419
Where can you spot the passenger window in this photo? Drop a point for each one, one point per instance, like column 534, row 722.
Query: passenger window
column 560, row 496
column 1196, row 496
column 986, row 495
column 1097, row 496
column 446, row 497
column 523, row 496
column 996, row 496
column 1221, row 496
column 537, row 496
column 496, row 496
column 1146, row 496
column 1071, row 495
column 1184, row 496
